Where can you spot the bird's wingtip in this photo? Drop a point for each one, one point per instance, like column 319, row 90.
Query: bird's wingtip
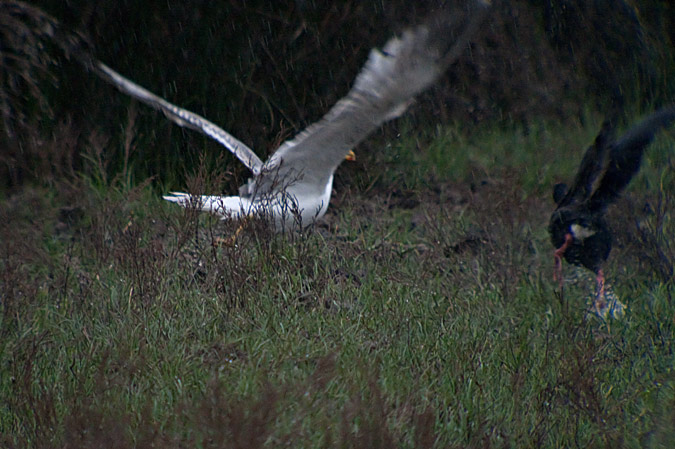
column 175, row 197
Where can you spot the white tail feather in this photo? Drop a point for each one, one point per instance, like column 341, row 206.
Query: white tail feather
column 225, row 206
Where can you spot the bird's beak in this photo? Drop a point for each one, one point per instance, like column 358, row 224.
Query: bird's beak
column 351, row 156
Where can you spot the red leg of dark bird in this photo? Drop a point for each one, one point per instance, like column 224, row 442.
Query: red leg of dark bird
column 600, row 285
column 557, row 257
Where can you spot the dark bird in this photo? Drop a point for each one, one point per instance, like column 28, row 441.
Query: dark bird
column 578, row 226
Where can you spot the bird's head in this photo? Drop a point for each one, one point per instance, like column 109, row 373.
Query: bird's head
column 581, row 237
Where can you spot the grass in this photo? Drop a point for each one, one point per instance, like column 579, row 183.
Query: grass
column 420, row 313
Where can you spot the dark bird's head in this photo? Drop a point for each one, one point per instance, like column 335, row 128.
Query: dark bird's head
column 582, row 237
column 578, row 228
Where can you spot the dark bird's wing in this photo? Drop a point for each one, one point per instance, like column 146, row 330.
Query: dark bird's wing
column 625, row 157
column 592, row 164
column 180, row 116
column 382, row 91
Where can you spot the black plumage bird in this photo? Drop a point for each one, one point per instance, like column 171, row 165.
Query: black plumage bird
column 578, row 227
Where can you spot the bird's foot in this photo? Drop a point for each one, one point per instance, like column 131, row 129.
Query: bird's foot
column 230, row 241
column 606, row 304
column 610, row 306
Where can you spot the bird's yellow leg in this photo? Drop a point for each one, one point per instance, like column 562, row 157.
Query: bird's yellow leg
column 231, row 240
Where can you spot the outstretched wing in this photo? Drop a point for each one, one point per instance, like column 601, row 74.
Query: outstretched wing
column 592, row 164
column 180, row 116
column 626, row 155
column 382, row 91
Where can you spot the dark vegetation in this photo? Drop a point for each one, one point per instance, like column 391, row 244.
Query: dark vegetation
column 264, row 70
column 419, row 313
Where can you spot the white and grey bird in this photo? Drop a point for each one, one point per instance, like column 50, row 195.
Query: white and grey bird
column 293, row 187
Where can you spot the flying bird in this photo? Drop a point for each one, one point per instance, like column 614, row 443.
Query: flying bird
column 578, row 227
column 293, row 187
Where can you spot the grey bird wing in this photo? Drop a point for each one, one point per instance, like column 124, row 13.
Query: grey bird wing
column 383, row 90
column 181, row 116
